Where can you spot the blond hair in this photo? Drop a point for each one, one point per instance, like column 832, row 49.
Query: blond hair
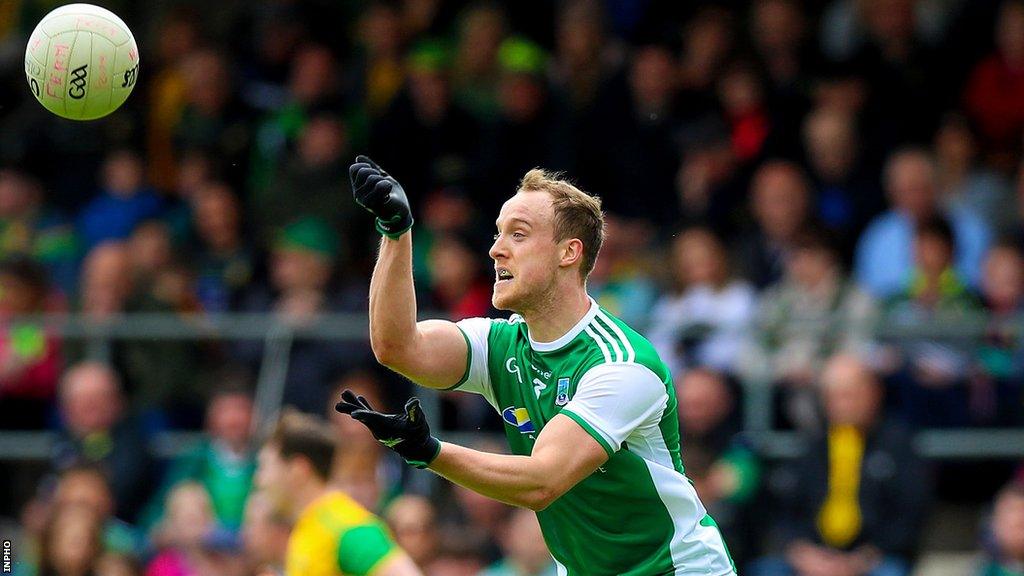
column 577, row 214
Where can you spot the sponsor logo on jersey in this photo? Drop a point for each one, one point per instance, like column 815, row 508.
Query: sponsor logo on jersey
column 519, row 418
column 513, row 368
column 562, row 392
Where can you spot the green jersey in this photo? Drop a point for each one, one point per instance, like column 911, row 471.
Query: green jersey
column 637, row 514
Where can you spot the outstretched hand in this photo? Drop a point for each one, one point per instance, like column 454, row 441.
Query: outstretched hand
column 407, row 433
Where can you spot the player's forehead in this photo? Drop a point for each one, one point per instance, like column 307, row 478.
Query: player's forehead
column 532, row 208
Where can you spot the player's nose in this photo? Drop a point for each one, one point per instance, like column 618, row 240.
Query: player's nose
column 497, row 249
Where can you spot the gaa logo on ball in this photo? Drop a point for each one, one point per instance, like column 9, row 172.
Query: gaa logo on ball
column 81, row 62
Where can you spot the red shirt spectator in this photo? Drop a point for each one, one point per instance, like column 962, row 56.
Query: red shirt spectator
column 995, row 91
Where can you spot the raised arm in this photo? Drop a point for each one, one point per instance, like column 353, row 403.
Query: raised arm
column 432, row 353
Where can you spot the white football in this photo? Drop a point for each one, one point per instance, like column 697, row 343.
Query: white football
column 81, row 62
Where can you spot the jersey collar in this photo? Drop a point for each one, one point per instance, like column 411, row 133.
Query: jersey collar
column 568, row 336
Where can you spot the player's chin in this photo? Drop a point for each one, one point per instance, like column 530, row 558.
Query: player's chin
column 502, row 298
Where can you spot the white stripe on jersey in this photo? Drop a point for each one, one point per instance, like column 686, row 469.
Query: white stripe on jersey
column 600, row 344
column 618, row 352
column 630, row 352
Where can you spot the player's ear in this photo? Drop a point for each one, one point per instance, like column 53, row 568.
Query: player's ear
column 572, row 252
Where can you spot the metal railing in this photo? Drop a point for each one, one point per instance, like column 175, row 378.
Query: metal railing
column 278, row 338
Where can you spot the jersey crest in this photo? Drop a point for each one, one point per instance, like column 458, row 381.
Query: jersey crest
column 562, row 392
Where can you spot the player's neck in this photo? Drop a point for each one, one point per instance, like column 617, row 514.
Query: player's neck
column 305, row 495
column 551, row 319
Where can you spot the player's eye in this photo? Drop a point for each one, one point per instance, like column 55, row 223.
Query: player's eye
column 518, row 235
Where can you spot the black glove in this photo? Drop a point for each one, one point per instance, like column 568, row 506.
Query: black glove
column 378, row 192
column 407, row 434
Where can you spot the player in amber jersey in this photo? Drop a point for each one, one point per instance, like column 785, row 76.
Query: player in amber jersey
column 332, row 534
column 589, row 408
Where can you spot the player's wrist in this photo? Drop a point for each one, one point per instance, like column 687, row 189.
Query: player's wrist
column 422, row 454
column 396, row 226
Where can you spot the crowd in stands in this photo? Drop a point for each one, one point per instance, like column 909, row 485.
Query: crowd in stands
column 781, row 178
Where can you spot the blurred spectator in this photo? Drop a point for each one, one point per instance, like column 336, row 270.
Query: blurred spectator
column 741, row 97
column 457, row 557
column 179, row 536
column 265, row 536
column 379, row 37
column 855, row 502
column 704, row 321
column 95, row 429
column 460, row 282
column 812, row 313
column 996, row 393
column 222, row 554
column 29, row 355
column 176, row 36
column 123, row 203
column 524, row 548
column 724, row 470
column 780, row 202
column 318, row 168
column 481, row 28
column 88, row 485
column 195, row 170
column 223, row 463
column 225, row 263
column 312, row 83
column 644, row 123
column 708, row 39
column 621, row 280
column 28, row 227
column 71, row 542
column 117, row 565
column 483, row 519
column 363, row 468
column 891, row 46
column 425, row 138
column 302, row 267
column 847, row 194
column 586, row 55
column 707, row 184
column 106, row 281
column 412, row 521
column 779, row 33
column 1006, row 557
column 161, row 374
column 212, row 119
column 994, row 93
column 530, row 131
column 884, row 254
column 932, row 380
column 964, row 184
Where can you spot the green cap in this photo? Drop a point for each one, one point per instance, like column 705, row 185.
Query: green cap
column 309, row 234
column 521, row 56
column 431, row 55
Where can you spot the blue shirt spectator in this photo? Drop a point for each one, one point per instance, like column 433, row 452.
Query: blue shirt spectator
column 123, row 202
column 884, row 256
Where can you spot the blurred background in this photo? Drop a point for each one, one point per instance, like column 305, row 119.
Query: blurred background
column 815, row 212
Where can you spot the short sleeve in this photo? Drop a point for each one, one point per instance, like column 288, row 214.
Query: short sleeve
column 362, row 549
column 476, row 379
column 612, row 400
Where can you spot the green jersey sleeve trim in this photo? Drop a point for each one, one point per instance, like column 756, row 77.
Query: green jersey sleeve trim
column 363, row 548
column 590, row 430
column 469, row 360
